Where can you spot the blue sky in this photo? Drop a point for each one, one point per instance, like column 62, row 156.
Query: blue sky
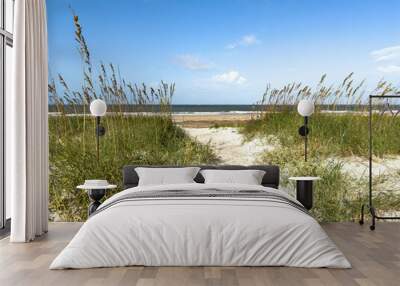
column 225, row 52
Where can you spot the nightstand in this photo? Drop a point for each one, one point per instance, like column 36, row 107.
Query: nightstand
column 304, row 190
column 96, row 193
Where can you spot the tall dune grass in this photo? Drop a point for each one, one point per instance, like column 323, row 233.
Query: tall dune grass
column 139, row 138
column 333, row 136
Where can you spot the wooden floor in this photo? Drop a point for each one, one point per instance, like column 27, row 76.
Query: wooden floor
column 375, row 257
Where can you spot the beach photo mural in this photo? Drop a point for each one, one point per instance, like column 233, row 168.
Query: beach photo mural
column 218, row 82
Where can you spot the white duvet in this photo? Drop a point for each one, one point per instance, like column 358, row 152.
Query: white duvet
column 200, row 231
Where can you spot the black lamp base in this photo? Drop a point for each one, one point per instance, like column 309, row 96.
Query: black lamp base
column 304, row 193
column 95, row 196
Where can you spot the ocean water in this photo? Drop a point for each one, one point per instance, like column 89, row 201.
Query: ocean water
column 198, row 108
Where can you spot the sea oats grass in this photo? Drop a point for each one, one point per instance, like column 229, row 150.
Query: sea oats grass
column 143, row 134
column 335, row 134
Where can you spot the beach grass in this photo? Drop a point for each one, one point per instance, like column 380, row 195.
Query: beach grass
column 338, row 196
column 334, row 138
column 141, row 140
column 331, row 134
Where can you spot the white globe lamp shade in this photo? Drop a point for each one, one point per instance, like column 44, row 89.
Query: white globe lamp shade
column 305, row 107
column 98, row 107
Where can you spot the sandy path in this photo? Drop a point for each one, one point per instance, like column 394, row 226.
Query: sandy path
column 358, row 167
column 386, row 172
column 228, row 144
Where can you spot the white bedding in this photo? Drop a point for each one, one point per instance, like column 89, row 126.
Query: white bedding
column 200, row 231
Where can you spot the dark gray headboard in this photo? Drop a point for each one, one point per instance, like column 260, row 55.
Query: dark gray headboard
column 271, row 177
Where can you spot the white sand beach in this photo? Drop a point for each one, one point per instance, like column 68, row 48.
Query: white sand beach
column 357, row 166
column 230, row 146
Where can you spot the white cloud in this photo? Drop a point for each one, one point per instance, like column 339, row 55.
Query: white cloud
column 193, row 62
column 389, row 59
column 230, row 77
column 249, row 40
column 245, row 41
column 231, row 46
column 389, row 53
column 389, row 69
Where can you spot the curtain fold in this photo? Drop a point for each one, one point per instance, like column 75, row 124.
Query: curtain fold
column 27, row 124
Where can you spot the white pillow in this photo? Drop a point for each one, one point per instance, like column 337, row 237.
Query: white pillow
column 248, row 177
column 166, row 176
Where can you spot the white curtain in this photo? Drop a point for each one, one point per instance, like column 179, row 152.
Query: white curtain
column 27, row 125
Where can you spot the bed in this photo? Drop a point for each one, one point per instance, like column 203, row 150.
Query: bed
column 198, row 224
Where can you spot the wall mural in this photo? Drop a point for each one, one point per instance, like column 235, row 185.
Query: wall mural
column 168, row 104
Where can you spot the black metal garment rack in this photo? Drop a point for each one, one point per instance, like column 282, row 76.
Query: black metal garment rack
column 370, row 205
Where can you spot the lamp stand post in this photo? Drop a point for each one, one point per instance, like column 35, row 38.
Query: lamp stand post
column 305, row 137
column 98, row 108
column 305, row 108
column 100, row 131
column 303, row 131
column 98, row 138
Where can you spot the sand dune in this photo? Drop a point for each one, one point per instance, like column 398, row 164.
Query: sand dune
column 230, row 146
